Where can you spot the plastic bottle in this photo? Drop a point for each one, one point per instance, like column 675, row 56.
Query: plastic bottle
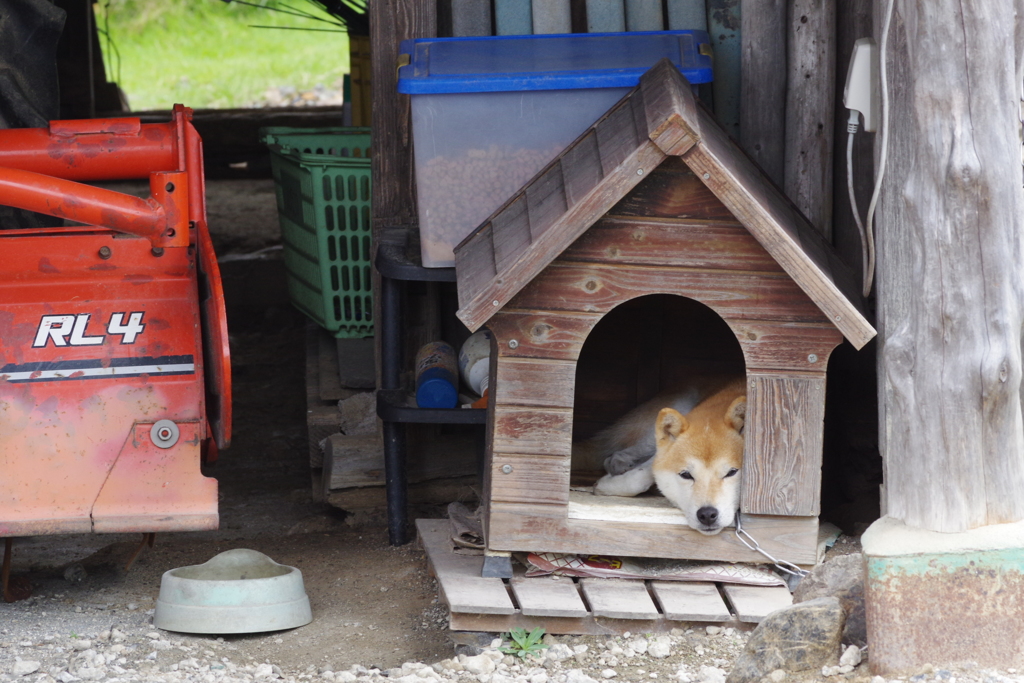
column 436, row 376
column 475, row 362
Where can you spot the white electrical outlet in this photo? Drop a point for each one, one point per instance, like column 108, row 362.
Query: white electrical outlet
column 861, row 93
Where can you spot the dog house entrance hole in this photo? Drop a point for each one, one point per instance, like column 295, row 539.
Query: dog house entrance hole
column 643, row 347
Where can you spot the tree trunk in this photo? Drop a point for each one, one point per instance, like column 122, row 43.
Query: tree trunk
column 950, row 264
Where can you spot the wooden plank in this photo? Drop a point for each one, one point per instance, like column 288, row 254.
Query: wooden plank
column 358, row 460
column 653, row 509
column 546, row 528
column 595, row 288
column 669, row 109
column 510, row 232
column 810, row 109
column 673, row 191
column 594, row 626
column 753, row 603
column 535, row 382
column 782, row 460
column 617, row 138
column 519, row 478
column 581, row 168
column 546, row 200
column 458, row 576
column 786, row 346
column 685, row 601
column 619, row 599
column 436, row 492
column 536, row 431
column 475, row 260
column 780, row 228
column 548, row 596
column 670, row 242
column 763, row 84
column 393, row 184
column 541, row 334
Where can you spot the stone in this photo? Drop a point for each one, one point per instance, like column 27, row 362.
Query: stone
column 480, row 664
column 842, row 577
column 878, row 679
column 263, row 671
column 802, row 637
column 777, row 676
column 851, row 656
column 558, row 652
column 81, row 644
column 577, row 676
column 713, row 630
column 660, row 647
column 711, row 674
column 66, row 677
column 24, row 667
column 638, row 645
column 609, row 673
column 89, row 673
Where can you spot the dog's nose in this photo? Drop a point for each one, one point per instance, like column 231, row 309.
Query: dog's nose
column 707, row 515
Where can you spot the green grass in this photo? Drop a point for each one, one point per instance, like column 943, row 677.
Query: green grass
column 203, row 53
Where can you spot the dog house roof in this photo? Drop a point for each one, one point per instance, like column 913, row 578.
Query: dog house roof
column 658, row 119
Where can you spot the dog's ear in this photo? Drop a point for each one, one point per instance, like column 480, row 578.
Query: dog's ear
column 736, row 413
column 669, row 426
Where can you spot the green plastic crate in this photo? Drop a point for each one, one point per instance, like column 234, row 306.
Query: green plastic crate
column 322, row 178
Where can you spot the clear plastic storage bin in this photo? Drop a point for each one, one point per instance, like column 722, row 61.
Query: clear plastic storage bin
column 489, row 113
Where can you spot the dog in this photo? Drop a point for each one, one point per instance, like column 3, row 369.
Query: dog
column 690, row 443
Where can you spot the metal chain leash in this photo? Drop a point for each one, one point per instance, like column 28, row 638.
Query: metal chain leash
column 795, row 573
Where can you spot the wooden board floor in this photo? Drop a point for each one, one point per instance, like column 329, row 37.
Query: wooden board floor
column 583, row 606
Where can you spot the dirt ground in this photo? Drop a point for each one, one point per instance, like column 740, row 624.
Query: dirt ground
column 372, row 604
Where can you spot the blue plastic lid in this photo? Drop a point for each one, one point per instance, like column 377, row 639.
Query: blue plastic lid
column 436, row 393
column 548, row 62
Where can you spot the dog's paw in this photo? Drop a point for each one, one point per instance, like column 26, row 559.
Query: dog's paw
column 633, row 483
column 625, row 460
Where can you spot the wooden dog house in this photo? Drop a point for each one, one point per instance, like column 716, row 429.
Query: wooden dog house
column 653, row 199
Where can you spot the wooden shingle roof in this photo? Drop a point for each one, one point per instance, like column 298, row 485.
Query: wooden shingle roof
column 659, row 118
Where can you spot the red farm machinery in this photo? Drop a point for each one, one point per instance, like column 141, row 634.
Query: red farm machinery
column 114, row 366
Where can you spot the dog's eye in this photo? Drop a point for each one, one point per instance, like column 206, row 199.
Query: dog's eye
column 686, row 475
column 731, row 473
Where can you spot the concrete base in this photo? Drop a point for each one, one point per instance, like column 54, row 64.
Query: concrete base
column 944, row 599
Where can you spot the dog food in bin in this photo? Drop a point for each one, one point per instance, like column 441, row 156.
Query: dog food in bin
column 322, row 179
column 489, row 113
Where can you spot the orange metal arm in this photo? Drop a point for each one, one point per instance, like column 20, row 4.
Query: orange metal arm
column 163, row 219
column 101, row 149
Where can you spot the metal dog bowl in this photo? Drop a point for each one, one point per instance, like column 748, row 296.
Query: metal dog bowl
column 238, row 591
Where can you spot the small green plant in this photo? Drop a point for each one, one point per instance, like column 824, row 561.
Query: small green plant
column 524, row 643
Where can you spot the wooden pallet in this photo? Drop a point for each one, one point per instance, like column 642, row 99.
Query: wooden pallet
column 585, row 606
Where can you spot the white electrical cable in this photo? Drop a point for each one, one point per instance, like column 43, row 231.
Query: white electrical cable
column 851, row 130
column 869, row 271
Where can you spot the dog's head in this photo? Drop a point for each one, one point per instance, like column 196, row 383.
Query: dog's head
column 698, row 462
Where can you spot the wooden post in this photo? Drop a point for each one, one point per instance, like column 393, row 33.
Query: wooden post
column 763, row 84
column 394, row 192
column 809, row 109
column 950, row 253
column 950, row 298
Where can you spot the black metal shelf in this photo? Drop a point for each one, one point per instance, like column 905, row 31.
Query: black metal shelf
column 398, row 261
column 394, row 406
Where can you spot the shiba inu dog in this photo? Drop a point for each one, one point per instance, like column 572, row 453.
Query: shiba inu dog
column 690, row 443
